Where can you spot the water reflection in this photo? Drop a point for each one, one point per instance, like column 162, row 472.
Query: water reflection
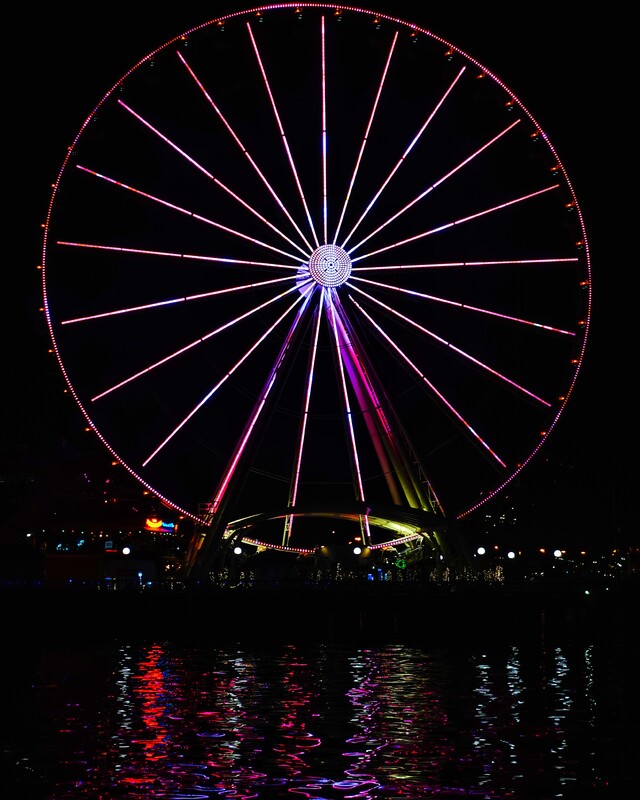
column 171, row 720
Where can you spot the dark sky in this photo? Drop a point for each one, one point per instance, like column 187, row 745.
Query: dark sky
column 568, row 72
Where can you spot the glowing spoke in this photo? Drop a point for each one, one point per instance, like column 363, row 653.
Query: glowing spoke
column 191, row 214
column 283, row 135
column 303, row 427
column 324, row 136
column 382, row 436
column 175, row 300
column 189, row 256
column 195, row 343
column 451, row 346
column 245, row 151
column 447, row 264
column 258, row 410
column 438, row 394
column 464, row 306
column 404, row 155
column 206, row 172
column 210, row 394
column 440, row 228
column 347, row 405
column 365, row 138
column 445, row 177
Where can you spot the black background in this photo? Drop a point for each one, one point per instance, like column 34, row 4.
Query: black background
column 571, row 72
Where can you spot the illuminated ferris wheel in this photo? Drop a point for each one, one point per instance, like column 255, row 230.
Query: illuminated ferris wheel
column 307, row 262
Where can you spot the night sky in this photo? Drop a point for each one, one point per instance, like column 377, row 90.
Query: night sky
column 565, row 71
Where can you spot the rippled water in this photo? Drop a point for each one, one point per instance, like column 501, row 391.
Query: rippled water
column 130, row 718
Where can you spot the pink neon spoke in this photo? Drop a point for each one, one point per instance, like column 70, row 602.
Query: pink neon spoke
column 438, row 394
column 365, row 138
column 198, row 341
column 440, row 264
column 185, row 211
column 284, row 137
column 261, row 403
column 465, row 306
column 478, row 214
column 369, row 402
column 305, row 419
column 190, row 256
column 348, row 346
column 345, row 396
column 451, row 346
column 175, row 300
column 441, row 180
column 324, row 134
column 347, row 406
column 210, row 393
column 404, row 155
column 244, row 150
column 206, row 172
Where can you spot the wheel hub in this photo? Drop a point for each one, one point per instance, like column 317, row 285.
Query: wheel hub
column 330, row 265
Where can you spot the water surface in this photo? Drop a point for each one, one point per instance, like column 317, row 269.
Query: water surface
column 532, row 717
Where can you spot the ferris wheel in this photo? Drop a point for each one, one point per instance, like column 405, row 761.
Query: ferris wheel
column 308, row 262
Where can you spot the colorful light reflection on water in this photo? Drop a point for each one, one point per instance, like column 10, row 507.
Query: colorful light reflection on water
column 196, row 721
